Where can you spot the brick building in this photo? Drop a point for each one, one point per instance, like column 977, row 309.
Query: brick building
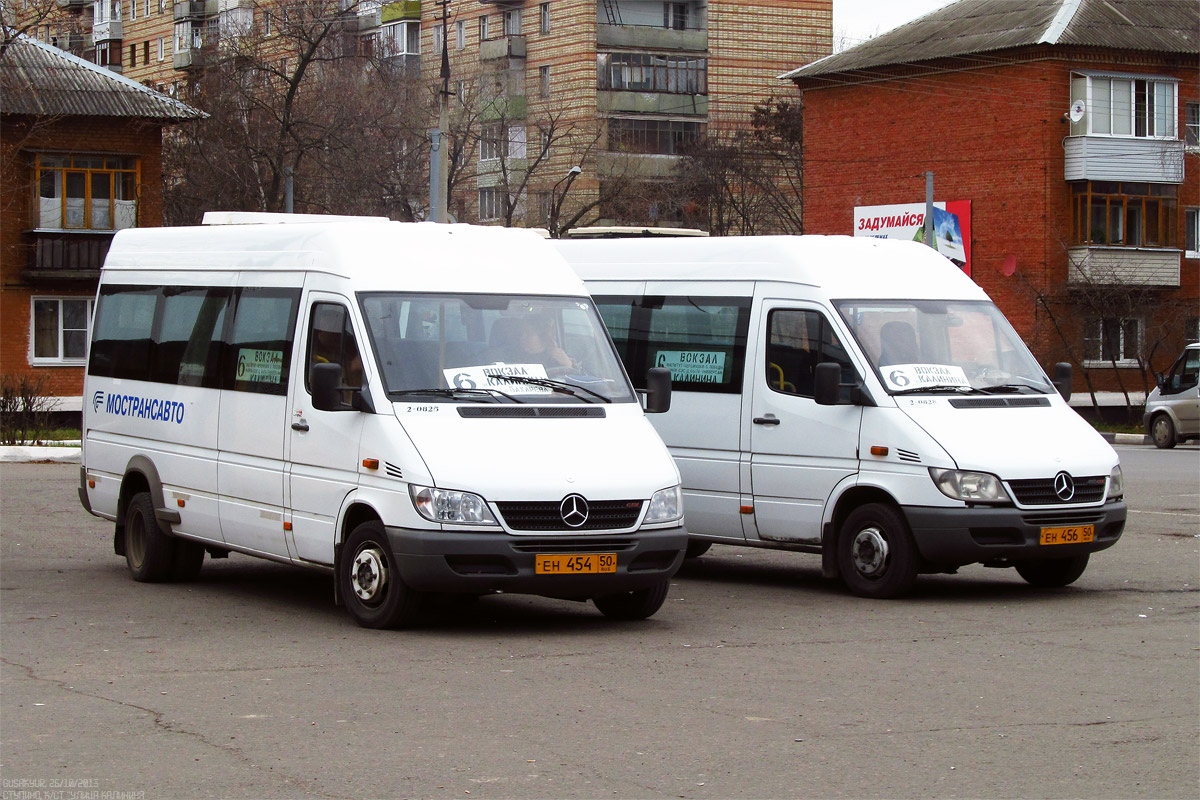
column 1065, row 133
column 80, row 158
column 614, row 87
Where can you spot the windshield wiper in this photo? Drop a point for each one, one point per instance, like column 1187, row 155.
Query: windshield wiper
column 1011, row 388
column 474, row 395
column 561, row 387
column 958, row 388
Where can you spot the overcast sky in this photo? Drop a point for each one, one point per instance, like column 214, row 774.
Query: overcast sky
column 857, row 20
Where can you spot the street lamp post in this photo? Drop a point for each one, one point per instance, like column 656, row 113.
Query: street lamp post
column 556, row 199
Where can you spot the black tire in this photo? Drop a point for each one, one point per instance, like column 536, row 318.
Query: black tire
column 1162, row 432
column 1054, row 572
column 369, row 582
column 696, row 548
column 149, row 550
column 876, row 554
column 189, row 560
column 638, row 604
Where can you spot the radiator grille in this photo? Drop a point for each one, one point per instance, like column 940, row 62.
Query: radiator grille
column 547, row 516
column 1040, row 491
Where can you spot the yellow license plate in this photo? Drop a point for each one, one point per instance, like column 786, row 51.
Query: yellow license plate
column 564, row 564
column 1074, row 534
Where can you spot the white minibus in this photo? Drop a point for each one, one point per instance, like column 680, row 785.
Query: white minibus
column 416, row 408
column 858, row 398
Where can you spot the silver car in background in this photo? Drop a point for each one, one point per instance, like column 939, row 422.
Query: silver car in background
column 1173, row 409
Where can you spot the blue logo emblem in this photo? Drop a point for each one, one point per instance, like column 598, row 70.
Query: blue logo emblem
column 97, row 399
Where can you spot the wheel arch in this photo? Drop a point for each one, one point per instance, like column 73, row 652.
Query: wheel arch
column 847, row 501
column 140, row 476
column 354, row 514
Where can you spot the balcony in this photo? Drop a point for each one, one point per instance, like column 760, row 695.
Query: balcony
column 194, row 10
column 67, row 256
column 74, row 5
column 194, row 57
column 636, row 166
column 1123, row 158
column 651, row 103
column 110, row 30
column 406, row 9
column 508, row 107
column 650, row 37
column 504, row 47
column 1118, row 266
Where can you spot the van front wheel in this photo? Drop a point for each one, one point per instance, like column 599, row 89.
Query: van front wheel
column 1162, row 431
column 370, row 584
column 149, row 552
column 876, row 553
column 638, row 604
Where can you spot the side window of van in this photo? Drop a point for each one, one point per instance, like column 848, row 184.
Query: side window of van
column 702, row 340
column 1185, row 374
column 187, row 346
column 258, row 355
column 798, row 340
column 331, row 341
column 122, row 341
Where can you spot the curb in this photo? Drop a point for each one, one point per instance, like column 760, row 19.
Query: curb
column 1126, row 438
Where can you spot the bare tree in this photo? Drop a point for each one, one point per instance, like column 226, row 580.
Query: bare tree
column 56, row 25
column 305, row 101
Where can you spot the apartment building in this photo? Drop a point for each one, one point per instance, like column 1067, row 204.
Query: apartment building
column 576, row 111
column 1065, row 136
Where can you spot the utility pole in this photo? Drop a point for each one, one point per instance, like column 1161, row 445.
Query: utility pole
column 439, row 176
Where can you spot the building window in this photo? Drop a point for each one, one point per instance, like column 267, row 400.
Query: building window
column 544, row 14
column 1126, row 107
column 512, row 22
column 162, row 48
column 1191, row 240
column 676, row 16
column 60, row 328
column 1112, row 339
column 544, row 81
column 1124, row 214
column 133, row 9
column 403, row 38
column 645, row 72
column 460, row 35
column 146, row 52
column 133, row 55
column 86, row 192
column 489, row 203
column 493, row 137
column 489, row 143
column 439, row 33
column 1192, row 123
column 483, row 28
column 652, row 136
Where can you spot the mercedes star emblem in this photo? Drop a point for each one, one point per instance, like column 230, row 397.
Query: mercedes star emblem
column 1064, row 487
column 574, row 510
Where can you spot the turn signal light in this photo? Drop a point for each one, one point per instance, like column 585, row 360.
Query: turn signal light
column 747, row 509
column 371, row 463
column 878, row 450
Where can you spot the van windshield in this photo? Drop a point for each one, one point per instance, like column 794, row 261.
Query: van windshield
column 943, row 346
column 493, row 348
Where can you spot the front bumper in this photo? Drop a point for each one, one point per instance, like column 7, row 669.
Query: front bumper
column 440, row 561
column 952, row 537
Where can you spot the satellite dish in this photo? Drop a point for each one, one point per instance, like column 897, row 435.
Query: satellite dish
column 1078, row 109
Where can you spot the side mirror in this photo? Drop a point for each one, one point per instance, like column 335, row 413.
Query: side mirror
column 324, row 380
column 658, row 390
column 827, row 383
column 1062, row 379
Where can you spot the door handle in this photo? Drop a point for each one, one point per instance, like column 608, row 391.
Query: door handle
column 299, row 425
column 769, row 419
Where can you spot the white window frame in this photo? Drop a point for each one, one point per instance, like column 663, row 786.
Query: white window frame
column 1191, row 126
column 483, row 28
column 489, row 203
column 460, row 35
column 1111, row 106
column 512, row 22
column 544, row 17
column 544, row 81
column 1191, row 232
column 59, row 359
column 490, row 136
column 439, row 33
column 1093, row 338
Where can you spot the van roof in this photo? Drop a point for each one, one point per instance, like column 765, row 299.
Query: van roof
column 375, row 255
column 842, row 267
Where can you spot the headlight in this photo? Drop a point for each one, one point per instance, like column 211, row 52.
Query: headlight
column 970, row 487
column 666, row 505
column 445, row 505
column 1116, row 484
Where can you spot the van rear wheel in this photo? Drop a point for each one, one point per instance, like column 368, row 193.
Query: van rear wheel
column 1054, row 572
column 638, row 604
column 876, row 554
column 149, row 551
column 370, row 584
column 1162, row 431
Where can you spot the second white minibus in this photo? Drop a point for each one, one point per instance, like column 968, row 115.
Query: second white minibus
column 858, row 398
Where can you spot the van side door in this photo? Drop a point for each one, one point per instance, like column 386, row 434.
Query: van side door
column 799, row 450
column 324, row 443
column 250, row 436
